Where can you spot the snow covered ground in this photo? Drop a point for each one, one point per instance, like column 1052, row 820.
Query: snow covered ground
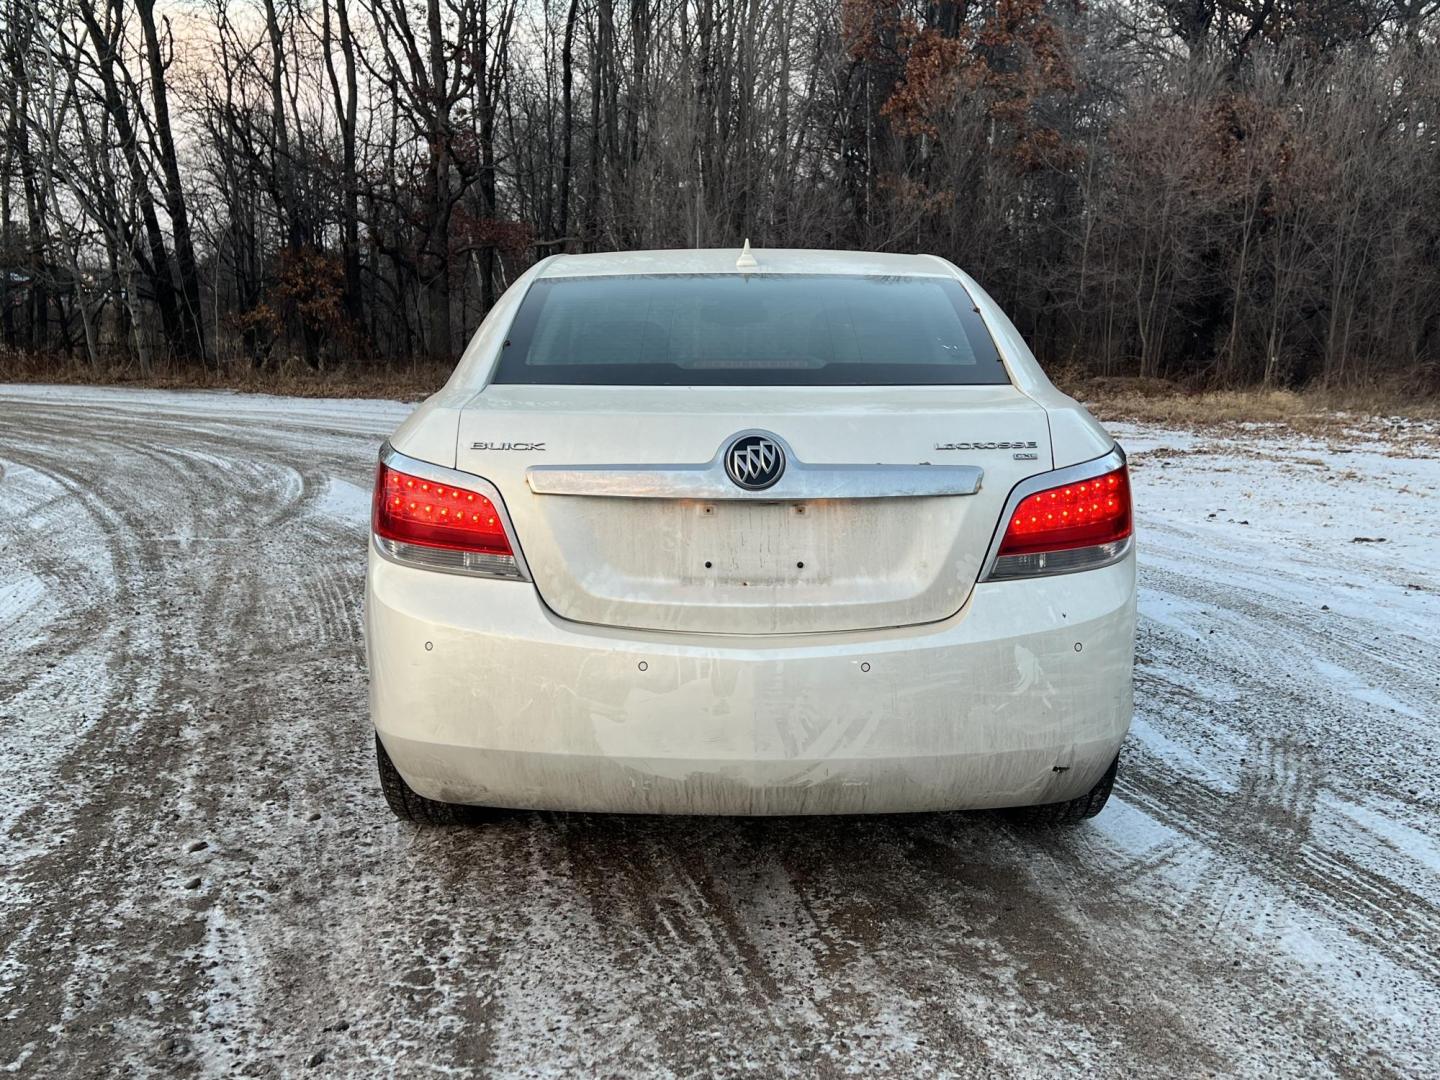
column 199, row 875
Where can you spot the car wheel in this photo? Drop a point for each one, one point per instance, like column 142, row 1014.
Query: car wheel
column 1076, row 810
column 410, row 806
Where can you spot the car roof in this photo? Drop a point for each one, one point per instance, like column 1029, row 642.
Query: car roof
column 767, row 261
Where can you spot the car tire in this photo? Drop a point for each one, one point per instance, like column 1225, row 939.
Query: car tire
column 408, row 805
column 1072, row 812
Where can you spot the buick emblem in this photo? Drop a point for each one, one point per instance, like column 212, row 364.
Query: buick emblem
column 754, row 462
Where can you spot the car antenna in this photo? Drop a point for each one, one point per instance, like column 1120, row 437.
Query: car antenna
column 746, row 260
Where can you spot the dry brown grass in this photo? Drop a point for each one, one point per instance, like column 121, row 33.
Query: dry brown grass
column 1147, row 400
column 1314, row 410
column 399, row 382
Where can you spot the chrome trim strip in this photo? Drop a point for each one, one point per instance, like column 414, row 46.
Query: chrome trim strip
column 1070, row 474
column 439, row 474
column 709, row 481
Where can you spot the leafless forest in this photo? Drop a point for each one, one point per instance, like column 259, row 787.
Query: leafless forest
column 1234, row 192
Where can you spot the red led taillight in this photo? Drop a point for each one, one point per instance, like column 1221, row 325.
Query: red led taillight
column 1083, row 514
column 414, row 510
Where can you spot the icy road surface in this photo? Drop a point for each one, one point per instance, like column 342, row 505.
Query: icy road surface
column 199, row 876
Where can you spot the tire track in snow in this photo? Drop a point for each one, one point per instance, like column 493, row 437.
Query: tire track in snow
column 151, row 505
column 940, row 945
column 1255, row 681
column 1388, row 918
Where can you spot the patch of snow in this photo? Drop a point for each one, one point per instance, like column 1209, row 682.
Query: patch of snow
column 343, row 500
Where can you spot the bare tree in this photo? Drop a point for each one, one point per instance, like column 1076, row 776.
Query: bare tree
column 1230, row 191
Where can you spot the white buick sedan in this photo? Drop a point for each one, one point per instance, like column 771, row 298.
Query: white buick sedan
column 722, row 532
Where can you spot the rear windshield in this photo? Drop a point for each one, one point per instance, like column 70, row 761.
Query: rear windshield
column 749, row 330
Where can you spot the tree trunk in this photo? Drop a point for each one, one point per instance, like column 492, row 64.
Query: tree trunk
column 437, row 283
column 284, row 166
column 7, row 313
column 567, row 127
column 158, row 261
column 192, row 327
column 346, row 111
column 488, row 199
column 37, row 259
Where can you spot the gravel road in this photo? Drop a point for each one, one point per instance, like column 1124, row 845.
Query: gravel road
column 199, row 875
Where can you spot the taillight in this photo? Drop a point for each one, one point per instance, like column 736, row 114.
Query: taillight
column 1075, row 526
column 440, row 526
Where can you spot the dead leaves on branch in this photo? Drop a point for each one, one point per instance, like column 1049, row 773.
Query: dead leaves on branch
column 471, row 233
column 309, row 294
column 1010, row 56
column 937, row 68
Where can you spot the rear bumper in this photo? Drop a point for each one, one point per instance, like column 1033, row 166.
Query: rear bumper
column 481, row 695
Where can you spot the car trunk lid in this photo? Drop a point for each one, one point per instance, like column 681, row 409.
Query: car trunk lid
column 626, row 516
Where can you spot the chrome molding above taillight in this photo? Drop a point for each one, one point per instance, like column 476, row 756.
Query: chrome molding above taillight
column 472, row 563
column 799, row 481
column 1010, row 567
